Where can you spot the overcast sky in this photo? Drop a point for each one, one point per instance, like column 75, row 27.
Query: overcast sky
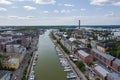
column 59, row 12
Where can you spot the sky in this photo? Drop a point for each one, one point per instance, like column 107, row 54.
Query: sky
column 59, row 12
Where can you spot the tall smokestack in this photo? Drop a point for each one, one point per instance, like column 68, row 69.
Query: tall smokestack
column 79, row 24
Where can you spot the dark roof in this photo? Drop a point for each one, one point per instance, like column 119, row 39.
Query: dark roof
column 105, row 45
column 107, row 56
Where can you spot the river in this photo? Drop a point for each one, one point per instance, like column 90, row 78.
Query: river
column 48, row 66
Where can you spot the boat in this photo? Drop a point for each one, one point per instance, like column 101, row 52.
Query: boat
column 71, row 76
column 67, row 70
column 36, row 57
column 32, row 76
column 34, row 64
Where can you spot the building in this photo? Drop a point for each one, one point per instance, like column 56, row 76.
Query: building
column 4, row 75
column 11, row 63
column 113, row 76
column 102, row 46
column 15, row 48
column 101, row 56
column 116, row 34
column 101, row 72
column 79, row 32
column 12, row 48
column 84, row 56
column 116, row 65
column 15, row 51
column 85, row 41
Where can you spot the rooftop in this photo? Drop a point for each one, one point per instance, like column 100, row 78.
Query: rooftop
column 117, row 61
column 65, row 35
column 13, row 61
column 114, row 76
column 83, row 53
column 72, row 39
column 15, row 45
column 101, row 70
column 107, row 56
column 3, row 73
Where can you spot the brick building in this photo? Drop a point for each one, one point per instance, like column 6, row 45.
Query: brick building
column 84, row 56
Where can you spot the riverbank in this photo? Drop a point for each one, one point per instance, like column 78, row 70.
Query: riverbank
column 27, row 71
column 48, row 66
column 65, row 52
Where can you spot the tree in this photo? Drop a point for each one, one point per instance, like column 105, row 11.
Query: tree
column 97, row 79
column 94, row 37
column 80, row 65
column 90, row 64
column 118, row 52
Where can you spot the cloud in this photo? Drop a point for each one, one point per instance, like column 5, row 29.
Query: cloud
column 116, row 4
column 46, row 12
column 20, row 17
column 99, row 2
column 14, row 7
column 5, row 2
column 45, row 1
column 29, row 8
column 82, row 9
column 56, row 11
column 69, row 5
column 85, row 20
column 110, row 14
column 65, row 11
column 3, row 9
column 104, row 2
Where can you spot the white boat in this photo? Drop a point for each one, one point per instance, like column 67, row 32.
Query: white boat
column 67, row 70
column 60, row 54
column 71, row 75
column 32, row 77
column 67, row 67
column 34, row 64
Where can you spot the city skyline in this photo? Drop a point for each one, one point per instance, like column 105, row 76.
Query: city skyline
column 58, row 12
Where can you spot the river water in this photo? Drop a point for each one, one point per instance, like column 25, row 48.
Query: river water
column 48, row 66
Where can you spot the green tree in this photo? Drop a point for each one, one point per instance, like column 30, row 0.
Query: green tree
column 97, row 79
column 80, row 65
column 118, row 52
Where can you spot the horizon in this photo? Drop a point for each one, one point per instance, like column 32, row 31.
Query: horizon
column 57, row 12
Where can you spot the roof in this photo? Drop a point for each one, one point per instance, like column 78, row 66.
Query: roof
column 107, row 56
column 117, row 61
column 101, row 70
column 114, row 76
column 72, row 39
column 15, row 45
column 105, row 45
column 13, row 61
column 3, row 73
column 65, row 35
column 83, row 53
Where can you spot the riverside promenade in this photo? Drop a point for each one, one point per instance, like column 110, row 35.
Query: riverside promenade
column 78, row 72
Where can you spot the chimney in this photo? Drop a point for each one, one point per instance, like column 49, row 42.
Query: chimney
column 79, row 24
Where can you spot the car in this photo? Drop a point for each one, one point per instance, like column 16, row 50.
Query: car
column 73, row 58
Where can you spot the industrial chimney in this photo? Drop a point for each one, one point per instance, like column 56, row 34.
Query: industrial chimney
column 79, row 25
